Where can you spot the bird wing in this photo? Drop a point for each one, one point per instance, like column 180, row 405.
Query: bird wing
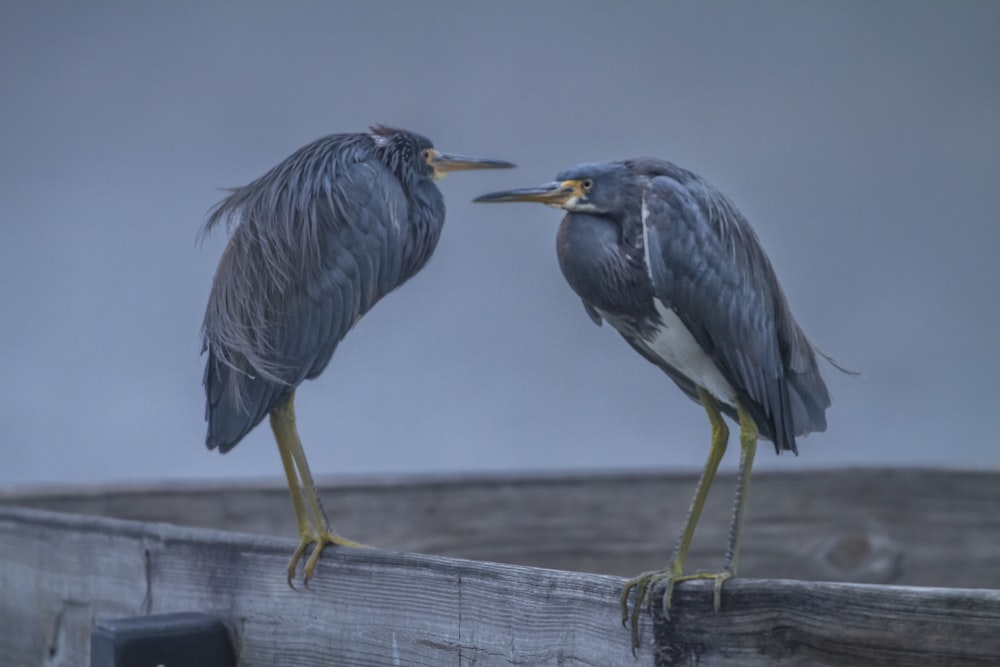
column 362, row 225
column 706, row 264
column 348, row 256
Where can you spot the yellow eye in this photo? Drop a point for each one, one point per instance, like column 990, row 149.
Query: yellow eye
column 587, row 184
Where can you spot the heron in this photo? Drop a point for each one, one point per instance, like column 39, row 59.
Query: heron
column 315, row 243
column 669, row 262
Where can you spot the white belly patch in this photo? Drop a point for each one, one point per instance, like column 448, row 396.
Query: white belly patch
column 673, row 342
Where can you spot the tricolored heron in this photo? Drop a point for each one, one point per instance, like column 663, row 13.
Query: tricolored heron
column 315, row 243
column 670, row 263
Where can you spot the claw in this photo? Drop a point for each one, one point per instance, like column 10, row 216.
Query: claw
column 320, row 540
column 721, row 578
column 293, row 564
column 623, row 598
column 646, row 583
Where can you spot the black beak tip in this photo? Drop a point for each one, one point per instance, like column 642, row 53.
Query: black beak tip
column 486, row 198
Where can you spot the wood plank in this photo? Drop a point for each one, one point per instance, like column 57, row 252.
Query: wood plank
column 60, row 573
column 775, row 622
column 908, row 527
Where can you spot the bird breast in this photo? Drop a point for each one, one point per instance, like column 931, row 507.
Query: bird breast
column 605, row 273
column 610, row 275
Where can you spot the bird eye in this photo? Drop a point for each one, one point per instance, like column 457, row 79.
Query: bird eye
column 426, row 155
column 587, row 184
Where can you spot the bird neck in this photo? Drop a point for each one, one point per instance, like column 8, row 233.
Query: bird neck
column 426, row 219
column 603, row 264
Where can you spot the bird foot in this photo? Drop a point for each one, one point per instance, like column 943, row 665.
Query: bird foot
column 646, row 583
column 320, row 539
column 643, row 586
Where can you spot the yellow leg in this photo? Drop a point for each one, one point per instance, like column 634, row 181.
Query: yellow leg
column 314, row 527
column 673, row 572
column 748, row 448
column 283, row 426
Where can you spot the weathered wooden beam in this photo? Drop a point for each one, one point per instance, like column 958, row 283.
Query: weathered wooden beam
column 897, row 526
column 819, row 624
column 60, row 573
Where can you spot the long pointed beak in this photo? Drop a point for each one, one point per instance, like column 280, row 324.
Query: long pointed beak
column 445, row 162
column 554, row 194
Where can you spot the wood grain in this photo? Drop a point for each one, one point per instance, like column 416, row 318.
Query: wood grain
column 821, row 624
column 59, row 573
column 62, row 572
column 907, row 527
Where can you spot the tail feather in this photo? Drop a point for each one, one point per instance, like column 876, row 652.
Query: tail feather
column 808, row 399
column 235, row 405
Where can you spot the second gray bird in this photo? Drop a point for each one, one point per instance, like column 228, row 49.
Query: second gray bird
column 670, row 263
column 317, row 241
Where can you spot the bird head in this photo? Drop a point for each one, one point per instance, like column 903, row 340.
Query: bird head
column 411, row 156
column 596, row 187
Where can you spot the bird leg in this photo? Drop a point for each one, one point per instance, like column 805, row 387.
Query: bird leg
column 314, row 527
column 673, row 572
column 748, row 448
column 281, row 428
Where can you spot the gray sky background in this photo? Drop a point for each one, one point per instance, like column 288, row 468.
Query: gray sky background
column 862, row 140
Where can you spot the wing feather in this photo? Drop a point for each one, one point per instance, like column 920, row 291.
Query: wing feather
column 282, row 303
column 708, row 266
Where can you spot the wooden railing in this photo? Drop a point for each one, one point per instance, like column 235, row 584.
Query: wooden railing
column 924, row 544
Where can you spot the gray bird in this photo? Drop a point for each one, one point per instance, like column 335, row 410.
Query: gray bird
column 315, row 243
column 670, row 263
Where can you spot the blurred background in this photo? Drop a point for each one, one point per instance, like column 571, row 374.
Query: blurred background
column 861, row 139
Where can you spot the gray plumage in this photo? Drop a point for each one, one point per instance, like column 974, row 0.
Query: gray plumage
column 315, row 243
column 705, row 264
column 671, row 264
column 708, row 265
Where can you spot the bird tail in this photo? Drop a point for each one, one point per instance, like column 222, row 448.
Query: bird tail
column 808, row 396
column 234, row 405
column 808, row 399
